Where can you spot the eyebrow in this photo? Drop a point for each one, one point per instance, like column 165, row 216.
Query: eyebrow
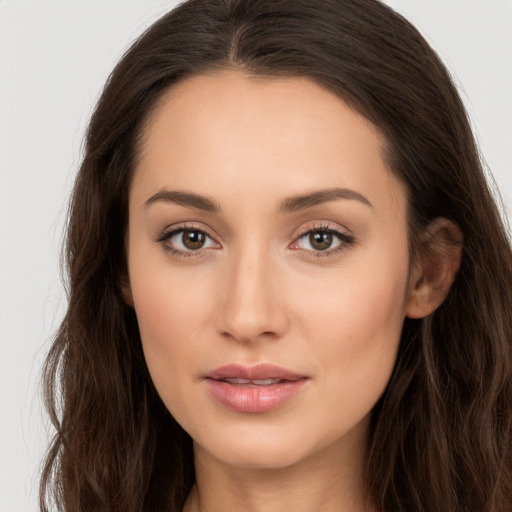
column 289, row 205
column 305, row 201
column 184, row 199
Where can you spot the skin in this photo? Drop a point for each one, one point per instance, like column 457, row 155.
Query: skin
column 258, row 291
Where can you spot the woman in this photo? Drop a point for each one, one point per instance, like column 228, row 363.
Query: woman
column 289, row 283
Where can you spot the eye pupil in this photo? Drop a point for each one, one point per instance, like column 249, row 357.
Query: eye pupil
column 320, row 240
column 193, row 239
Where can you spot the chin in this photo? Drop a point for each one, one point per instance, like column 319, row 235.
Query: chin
column 264, row 448
column 260, row 456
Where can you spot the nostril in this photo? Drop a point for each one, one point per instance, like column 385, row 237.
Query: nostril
column 238, row 335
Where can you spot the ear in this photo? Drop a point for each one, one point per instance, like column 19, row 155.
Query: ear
column 126, row 289
column 436, row 264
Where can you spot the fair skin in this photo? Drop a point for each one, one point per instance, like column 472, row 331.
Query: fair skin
column 318, row 285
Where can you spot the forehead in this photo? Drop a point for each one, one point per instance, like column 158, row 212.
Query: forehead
column 230, row 133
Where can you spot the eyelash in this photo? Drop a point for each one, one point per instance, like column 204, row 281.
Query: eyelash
column 167, row 235
column 345, row 240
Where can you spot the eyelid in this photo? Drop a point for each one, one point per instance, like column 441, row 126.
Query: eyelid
column 170, row 231
column 324, row 226
column 346, row 238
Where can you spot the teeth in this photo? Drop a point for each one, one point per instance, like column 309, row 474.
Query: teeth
column 237, row 381
column 257, row 382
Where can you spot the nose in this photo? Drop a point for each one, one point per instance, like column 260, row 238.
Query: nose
column 252, row 305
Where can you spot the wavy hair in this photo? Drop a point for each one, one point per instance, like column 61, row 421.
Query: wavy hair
column 441, row 434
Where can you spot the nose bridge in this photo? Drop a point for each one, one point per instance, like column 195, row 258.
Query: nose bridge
column 251, row 306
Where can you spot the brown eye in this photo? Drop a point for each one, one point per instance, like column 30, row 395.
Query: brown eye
column 320, row 240
column 187, row 240
column 193, row 239
column 324, row 241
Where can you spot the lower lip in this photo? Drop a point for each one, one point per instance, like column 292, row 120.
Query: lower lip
column 254, row 399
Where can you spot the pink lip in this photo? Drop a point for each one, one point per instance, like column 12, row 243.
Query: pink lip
column 252, row 397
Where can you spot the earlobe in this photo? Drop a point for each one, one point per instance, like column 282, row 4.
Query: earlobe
column 435, row 267
column 126, row 290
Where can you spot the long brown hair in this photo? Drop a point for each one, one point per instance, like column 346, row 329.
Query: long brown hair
column 441, row 434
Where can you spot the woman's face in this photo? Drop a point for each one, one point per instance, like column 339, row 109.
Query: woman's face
column 268, row 266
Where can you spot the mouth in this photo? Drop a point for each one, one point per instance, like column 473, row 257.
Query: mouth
column 253, row 382
column 261, row 374
column 254, row 389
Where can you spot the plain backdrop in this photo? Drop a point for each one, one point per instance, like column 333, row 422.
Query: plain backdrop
column 54, row 59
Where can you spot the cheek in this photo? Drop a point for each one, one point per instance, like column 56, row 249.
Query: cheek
column 368, row 332
column 362, row 302
column 171, row 313
column 356, row 322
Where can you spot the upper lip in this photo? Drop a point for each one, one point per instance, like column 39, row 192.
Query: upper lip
column 257, row 372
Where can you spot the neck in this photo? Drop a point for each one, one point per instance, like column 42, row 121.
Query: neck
column 329, row 481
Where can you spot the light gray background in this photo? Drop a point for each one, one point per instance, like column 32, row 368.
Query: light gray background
column 54, row 59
